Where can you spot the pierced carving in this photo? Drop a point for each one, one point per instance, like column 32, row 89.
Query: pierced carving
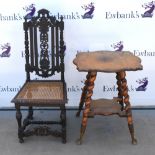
column 44, row 54
column 42, row 131
column 44, row 45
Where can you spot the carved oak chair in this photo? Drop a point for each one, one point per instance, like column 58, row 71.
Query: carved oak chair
column 44, row 54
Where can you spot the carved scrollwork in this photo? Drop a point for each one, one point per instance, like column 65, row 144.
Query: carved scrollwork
column 42, row 131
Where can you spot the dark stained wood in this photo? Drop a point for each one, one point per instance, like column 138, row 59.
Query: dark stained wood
column 52, row 47
column 31, row 46
column 44, row 55
column 36, row 48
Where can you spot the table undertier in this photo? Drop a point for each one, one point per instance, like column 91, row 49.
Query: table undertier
column 106, row 107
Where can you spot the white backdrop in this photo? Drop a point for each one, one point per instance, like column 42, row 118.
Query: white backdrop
column 89, row 25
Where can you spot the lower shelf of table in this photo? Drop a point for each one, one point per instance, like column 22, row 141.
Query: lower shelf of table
column 106, row 107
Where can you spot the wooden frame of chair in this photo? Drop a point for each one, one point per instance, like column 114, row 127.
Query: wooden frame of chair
column 44, row 54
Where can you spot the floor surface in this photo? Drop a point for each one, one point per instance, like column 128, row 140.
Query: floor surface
column 104, row 136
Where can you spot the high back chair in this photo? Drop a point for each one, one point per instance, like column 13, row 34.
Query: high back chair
column 44, row 54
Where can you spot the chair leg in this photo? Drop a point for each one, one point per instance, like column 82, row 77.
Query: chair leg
column 30, row 113
column 63, row 120
column 19, row 121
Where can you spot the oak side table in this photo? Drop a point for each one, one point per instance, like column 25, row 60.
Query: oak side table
column 110, row 62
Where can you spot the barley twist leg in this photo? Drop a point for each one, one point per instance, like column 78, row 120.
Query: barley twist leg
column 83, row 95
column 119, row 84
column 89, row 93
column 127, row 106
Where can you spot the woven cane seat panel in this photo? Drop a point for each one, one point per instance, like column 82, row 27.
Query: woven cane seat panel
column 41, row 91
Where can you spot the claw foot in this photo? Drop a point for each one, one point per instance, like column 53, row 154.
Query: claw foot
column 134, row 141
column 79, row 141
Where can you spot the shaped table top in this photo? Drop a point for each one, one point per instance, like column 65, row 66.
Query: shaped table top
column 107, row 61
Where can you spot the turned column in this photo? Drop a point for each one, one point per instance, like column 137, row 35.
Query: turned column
column 127, row 106
column 119, row 84
column 88, row 94
column 83, row 95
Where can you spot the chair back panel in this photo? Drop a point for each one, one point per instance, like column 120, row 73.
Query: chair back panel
column 44, row 45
